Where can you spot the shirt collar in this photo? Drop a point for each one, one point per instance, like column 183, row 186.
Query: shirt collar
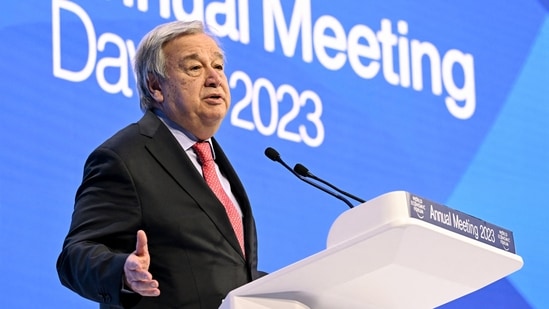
column 185, row 138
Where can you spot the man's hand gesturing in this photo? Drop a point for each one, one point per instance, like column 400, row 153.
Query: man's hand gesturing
column 136, row 269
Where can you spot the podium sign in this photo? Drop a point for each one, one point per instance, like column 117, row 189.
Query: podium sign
column 396, row 251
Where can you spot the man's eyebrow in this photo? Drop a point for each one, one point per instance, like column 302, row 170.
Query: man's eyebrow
column 194, row 56
column 220, row 55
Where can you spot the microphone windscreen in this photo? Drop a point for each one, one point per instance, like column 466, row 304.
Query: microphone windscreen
column 301, row 170
column 272, row 154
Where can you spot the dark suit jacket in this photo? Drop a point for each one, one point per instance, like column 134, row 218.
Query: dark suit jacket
column 142, row 179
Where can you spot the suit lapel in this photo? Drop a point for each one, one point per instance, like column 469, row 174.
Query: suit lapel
column 166, row 150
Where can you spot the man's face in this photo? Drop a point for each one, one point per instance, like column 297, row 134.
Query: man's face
column 195, row 92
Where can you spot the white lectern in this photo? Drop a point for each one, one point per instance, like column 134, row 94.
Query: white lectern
column 396, row 251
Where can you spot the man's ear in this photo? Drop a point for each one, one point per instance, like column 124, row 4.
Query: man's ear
column 153, row 83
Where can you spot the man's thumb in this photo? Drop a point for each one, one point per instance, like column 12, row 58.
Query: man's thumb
column 141, row 245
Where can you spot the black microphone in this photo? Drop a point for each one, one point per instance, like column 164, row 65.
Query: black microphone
column 275, row 156
column 303, row 171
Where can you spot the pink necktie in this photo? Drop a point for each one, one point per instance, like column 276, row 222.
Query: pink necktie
column 204, row 152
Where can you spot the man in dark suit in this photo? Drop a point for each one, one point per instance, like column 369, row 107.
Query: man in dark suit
column 147, row 230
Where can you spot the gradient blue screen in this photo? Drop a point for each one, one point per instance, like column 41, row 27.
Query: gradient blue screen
column 445, row 99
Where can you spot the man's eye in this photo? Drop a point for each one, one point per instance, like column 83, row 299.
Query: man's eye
column 195, row 68
column 219, row 67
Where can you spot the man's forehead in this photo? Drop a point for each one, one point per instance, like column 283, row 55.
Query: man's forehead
column 193, row 47
column 201, row 55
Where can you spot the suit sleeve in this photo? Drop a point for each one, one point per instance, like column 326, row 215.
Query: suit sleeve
column 103, row 229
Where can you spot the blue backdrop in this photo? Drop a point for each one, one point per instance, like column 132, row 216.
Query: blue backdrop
column 448, row 100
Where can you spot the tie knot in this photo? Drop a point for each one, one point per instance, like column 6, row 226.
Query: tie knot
column 204, row 151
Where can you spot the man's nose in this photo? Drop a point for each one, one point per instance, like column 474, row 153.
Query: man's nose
column 213, row 78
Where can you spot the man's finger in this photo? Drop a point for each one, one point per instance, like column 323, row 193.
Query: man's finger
column 145, row 288
column 136, row 275
column 141, row 248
